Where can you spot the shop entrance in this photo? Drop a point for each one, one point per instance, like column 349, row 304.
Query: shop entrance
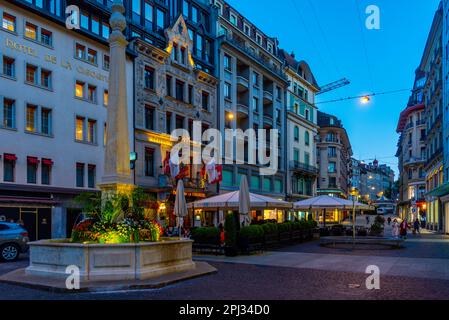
column 37, row 221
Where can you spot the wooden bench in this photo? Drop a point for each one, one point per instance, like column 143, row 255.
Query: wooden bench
column 384, row 241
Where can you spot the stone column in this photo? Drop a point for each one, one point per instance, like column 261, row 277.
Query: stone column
column 117, row 172
column 58, row 223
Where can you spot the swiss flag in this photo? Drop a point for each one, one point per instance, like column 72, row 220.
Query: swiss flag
column 166, row 164
column 184, row 172
column 218, row 174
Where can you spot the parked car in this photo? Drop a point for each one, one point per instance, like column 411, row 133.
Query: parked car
column 382, row 211
column 13, row 241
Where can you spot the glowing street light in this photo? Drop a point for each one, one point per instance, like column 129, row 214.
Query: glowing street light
column 365, row 99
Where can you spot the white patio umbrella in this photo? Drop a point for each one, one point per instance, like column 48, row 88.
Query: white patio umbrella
column 244, row 201
column 180, row 205
column 231, row 201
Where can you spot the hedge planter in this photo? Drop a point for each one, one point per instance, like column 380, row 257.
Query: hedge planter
column 285, row 237
column 271, row 240
column 297, row 235
column 250, row 244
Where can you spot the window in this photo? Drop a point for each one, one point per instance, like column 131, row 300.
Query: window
column 227, row 62
column 205, row 100
column 79, row 89
column 179, row 123
column 105, row 30
column 92, row 56
column 9, row 67
column 149, row 117
column 91, row 169
column 199, row 45
column 194, row 14
column 160, row 19
column 84, row 20
column 190, row 91
column 30, row 31
column 46, row 121
column 31, row 118
column 80, row 175
column 106, row 62
column 174, row 52
column 278, row 93
column 255, row 104
column 227, row 90
column 307, row 114
column 168, row 85
column 80, row 51
column 31, row 74
column 149, row 78
column 266, row 184
column 46, row 78
column 183, row 55
column 233, row 19
column 296, row 134
column 148, row 15
column 149, row 162
column 255, row 182
column 32, row 163
column 180, row 90
column 95, row 25
column 9, row 22
column 9, row 163
column 92, row 93
column 92, row 131
column 168, row 117
column 79, row 135
column 46, row 171
column 332, row 182
column 105, row 98
column 259, row 39
column 136, row 10
column 246, row 29
column 331, row 152
column 185, row 9
column 307, row 138
column 46, row 37
column 255, row 79
column 332, row 167
column 9, row 114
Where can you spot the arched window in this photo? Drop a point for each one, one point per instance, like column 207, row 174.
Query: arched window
column 307, row 138
column 296, row 133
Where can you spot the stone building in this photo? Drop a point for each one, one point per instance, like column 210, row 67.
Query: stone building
column 334, row 154
column 171, row 93
column 412, row 154
column 302, row 128
column 252, row 93
column 53, row 102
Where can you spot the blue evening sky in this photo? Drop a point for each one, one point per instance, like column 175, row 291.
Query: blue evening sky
column 329, row 35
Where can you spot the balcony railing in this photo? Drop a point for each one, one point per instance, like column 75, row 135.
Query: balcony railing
column 303, row 167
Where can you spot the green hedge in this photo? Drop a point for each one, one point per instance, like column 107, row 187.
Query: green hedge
column 206, row 235
column 270, row 228
column 252, row 232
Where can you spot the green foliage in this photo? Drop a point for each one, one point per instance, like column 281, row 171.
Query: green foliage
column 285, row 227
column 376, row 228
column 270, row 228
column 252, row 232
column 380, row 220
column 230, row 231
column 206, row 235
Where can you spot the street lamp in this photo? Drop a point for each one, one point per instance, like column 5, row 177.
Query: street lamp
column 354, row 192
column 365, row 99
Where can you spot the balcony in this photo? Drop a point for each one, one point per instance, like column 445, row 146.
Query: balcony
column 242, row 84
column 303, row 167
column 409, row 125
column 435, row 155
column 421, row 122
column 268, row 119
column 267, row 97
column 241, row 45
column 414, row 160
column 242, row 109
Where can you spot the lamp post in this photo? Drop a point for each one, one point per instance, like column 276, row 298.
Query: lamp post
column 354, row 192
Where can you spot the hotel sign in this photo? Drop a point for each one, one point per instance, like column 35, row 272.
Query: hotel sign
column 14, row 45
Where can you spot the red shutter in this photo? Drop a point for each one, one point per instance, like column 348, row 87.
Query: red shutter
column 10, row 157
column 47, row 162
column 32, row 160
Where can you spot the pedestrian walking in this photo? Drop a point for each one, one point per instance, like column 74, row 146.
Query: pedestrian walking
column 222, row 234
column 367, row 220
column 403, row 229
column 389, row 220
column 395, row 231
column 416, row 226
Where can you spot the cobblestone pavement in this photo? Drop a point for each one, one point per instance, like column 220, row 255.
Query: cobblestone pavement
column 250, row 282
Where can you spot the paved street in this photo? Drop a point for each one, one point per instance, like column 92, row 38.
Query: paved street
column 305, row 271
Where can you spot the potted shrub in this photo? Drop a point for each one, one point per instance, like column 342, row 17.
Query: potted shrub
column 231, row 249
column 376, row 229
column 250, row 238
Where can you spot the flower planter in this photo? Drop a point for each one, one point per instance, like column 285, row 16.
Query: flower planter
column 106, row 262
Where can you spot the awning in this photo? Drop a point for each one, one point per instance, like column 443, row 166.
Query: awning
column 32, row 160
column 328, row 202
column 10, row 157
column 47, row 162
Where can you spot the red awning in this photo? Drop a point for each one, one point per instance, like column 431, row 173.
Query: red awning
column 32, row 160
column 47, row 162
column 10, row 157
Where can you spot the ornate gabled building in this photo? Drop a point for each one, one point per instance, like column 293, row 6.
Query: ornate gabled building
column 302, row 128
column 171, row 93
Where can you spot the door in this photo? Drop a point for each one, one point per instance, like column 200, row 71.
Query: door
column 28, row 218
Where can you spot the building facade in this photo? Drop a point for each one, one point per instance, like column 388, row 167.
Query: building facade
column 334, row 154
column 302, row 129
column 412, row 154
column 252, row 93
column 53, row 106
column 431, row 64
